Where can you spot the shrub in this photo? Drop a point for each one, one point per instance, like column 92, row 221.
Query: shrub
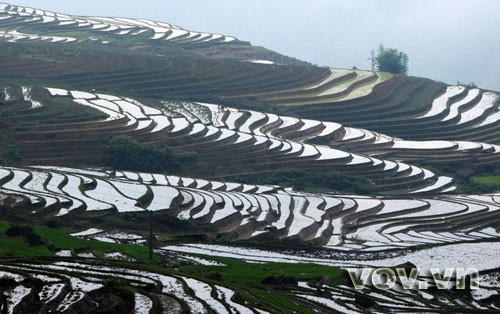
column 53, row 223
column 290, row 280
column 29, row 235
column 389, row 60
column 214, row 275
column 271, row 280
column 127, row 153
column 121, row 289
column 281, row 280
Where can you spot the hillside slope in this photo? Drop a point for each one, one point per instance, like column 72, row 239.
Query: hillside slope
column 29, row 24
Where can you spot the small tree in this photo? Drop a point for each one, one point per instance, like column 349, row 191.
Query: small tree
column 389, row 60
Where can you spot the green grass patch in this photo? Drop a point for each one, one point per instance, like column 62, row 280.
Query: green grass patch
column 246, row 279
column 63, row 241
column 274, row 302
column 487, row 180
column 385, row 75
column 4, row 226
column 243, row 273
column 56, row 240
column 16, row 246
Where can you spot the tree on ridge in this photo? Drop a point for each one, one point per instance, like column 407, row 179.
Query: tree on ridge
column 389, row 60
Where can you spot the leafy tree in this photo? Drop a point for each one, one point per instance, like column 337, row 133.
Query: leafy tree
column 389, row 60
column 126, row 153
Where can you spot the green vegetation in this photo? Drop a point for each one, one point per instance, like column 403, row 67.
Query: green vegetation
column 18, row 241
column 473, row 187
column 309, row 181
column 120, row 289
column 155, row 69
column 61, row 240
column 490, row 180
column 29, row 235
column 126, row 153
column 389, row 60
column 251, row 274
column 161, row 70
column 16, row 114
column 469, row 179
column 265, row 285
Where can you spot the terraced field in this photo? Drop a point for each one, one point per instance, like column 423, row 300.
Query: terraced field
column 243, row 211
column 454, row 112
column 273, row 176
column 212, row 135
column 56, row 22
column 74, row 286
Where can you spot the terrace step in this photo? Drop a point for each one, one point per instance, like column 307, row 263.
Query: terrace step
column 243, row 211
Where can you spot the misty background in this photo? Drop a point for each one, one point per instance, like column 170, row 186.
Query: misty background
column 446, row 40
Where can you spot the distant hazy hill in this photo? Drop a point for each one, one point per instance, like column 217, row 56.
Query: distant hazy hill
column 28, row 24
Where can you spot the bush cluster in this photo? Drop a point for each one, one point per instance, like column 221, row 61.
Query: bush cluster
column 126, row 153
column 29, row 235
